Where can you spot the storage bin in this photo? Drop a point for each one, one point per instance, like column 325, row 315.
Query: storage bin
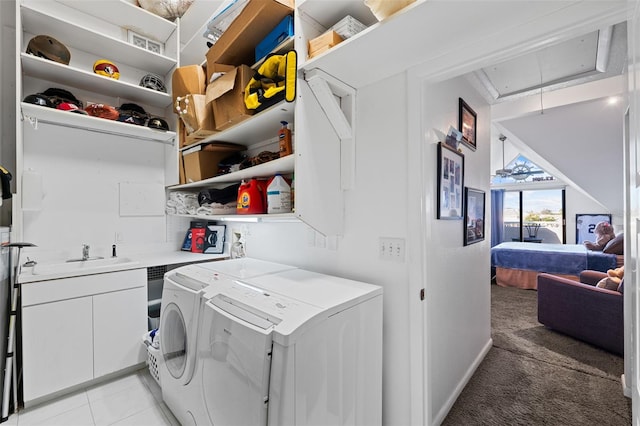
column 385, row 8
column 323, row 43
column 154, row 360
column 279, row 34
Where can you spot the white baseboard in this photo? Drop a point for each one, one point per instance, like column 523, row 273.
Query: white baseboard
column 626, row 389
column 439, row 418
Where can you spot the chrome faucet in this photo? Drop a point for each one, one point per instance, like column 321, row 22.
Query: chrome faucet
column 85, row 251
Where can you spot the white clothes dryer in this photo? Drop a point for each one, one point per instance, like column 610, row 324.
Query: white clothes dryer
column 266, row 358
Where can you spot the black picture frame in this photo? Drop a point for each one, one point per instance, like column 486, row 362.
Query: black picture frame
column 474, row 215
column 586, row 223
column 450, row 183
column 467, row 124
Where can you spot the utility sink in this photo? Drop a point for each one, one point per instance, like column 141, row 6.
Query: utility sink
column 84, row 267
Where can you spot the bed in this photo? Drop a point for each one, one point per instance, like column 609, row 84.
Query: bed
column 518, row 263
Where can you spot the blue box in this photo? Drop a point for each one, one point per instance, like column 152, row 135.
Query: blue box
column 279, row 34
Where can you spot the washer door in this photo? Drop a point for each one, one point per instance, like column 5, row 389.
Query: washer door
column 236, row 363
column 174, row 344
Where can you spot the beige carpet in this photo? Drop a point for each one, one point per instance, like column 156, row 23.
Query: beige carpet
column 535, row 376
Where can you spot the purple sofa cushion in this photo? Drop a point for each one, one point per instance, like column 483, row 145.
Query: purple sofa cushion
column 588, row 313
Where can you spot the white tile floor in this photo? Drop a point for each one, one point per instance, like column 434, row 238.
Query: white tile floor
column 134, row 400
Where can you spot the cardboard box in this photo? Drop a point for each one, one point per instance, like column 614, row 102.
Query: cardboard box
column 226, row 95
column 215, row 71
column 280, row 33
column 323, row 43
column 186, row 80
column 198, row 116
column 236, row 46
column 201, row 161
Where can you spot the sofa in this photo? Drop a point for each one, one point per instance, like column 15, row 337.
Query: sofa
column 582, row 310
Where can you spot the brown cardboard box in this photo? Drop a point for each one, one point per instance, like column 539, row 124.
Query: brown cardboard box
column 201, row 162
column 218, row 70
column 186, row 80
column 199, row 116
column 236, row 46
column 226, row 95
column 323, row 43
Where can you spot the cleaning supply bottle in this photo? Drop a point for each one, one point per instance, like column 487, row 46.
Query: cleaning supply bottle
column 250, row 198
column 293, row 192
column 284, row 138
column 278, row 196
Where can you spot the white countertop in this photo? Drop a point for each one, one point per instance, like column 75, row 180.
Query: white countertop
column 52, row 270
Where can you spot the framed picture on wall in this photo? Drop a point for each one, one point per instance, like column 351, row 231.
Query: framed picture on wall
column 586, row 225
column 450, row 183
column 473, row 216
column 467, row 124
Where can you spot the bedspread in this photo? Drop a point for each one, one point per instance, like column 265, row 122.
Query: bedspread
column 552, row 258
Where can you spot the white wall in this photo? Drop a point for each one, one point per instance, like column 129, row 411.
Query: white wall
column 7, row 98
column 376, row 207
column 84, row 175
column 457, row 282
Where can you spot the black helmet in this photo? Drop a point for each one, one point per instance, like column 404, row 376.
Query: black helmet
column 158, row 123
column 58, row 96
column 153, row 81
column 38, row 99
column 49, row 48
column 132, row 113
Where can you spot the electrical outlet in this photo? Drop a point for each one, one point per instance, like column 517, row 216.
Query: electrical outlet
column 391, row 249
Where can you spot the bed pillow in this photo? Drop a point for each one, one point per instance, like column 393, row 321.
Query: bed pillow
column 615, row 246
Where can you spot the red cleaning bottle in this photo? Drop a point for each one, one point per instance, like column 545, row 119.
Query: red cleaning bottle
column 250, row 198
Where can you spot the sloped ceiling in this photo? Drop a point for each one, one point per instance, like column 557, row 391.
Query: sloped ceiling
column 579, row 141
column 583, row 141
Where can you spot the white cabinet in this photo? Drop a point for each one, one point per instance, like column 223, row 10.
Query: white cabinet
column 81, row 328
column 118, row 324
column 57, row 346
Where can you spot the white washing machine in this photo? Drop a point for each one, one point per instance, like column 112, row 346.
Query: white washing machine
column 289, row 348
column 180, row 314
column 179, row 319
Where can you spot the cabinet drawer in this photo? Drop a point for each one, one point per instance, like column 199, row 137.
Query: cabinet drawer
column 87, row 285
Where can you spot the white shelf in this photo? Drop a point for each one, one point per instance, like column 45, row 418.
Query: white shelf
column 387, row 39
column 97, row 44
column 126, row 15
column 282, row 165
column 281, row 217
column 260, row 127
column 101, row 125
column 63, row 74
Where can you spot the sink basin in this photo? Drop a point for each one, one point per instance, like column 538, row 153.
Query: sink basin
column 70, row 269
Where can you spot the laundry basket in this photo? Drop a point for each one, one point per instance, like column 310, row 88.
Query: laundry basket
column 154, row 359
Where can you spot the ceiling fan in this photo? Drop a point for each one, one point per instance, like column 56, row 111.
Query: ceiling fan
column 519, row 172
column 503, row 172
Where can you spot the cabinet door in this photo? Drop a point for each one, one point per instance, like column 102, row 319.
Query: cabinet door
column 119, row 322
column 57, row 346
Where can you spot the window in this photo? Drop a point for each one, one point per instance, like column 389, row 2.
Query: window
column 535, row 216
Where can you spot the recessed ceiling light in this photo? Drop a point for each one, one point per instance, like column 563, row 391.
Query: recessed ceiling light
column 613, row 100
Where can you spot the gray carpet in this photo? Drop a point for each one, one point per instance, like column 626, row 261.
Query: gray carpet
column 535, row 376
